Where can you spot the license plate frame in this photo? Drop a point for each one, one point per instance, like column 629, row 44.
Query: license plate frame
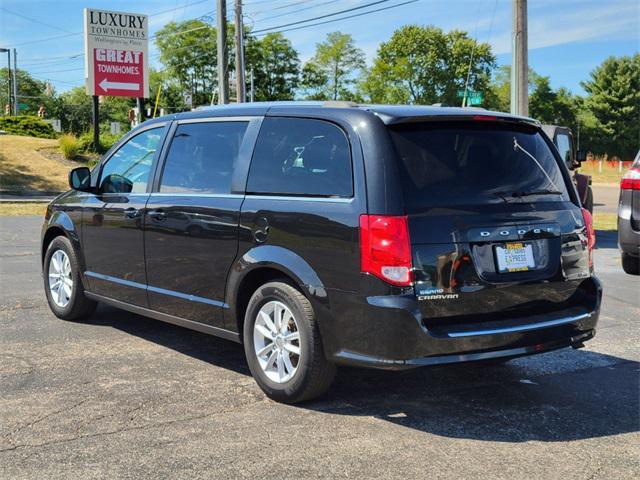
column 514, row 257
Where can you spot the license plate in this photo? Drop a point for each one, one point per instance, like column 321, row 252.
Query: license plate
column 515, row 257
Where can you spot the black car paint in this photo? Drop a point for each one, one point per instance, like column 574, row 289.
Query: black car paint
column 196, row 277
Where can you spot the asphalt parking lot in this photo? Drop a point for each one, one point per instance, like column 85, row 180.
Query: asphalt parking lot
column 122, row 396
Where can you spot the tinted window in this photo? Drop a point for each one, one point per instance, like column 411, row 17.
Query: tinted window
column 564, row 147
column 127, row 171
column 467, row 164
column 296, row 156
column 201, row 157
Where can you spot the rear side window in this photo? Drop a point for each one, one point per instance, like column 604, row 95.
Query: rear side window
column 202, row 157
column 469, row 164
column 564, row 147
column 297, row 156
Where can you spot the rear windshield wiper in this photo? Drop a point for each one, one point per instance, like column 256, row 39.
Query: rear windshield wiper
column 536, row 192
column 505, row 195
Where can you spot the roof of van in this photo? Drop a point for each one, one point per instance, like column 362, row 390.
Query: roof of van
column 389, row 114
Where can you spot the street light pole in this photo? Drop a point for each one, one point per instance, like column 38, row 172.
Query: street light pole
column 8, row 50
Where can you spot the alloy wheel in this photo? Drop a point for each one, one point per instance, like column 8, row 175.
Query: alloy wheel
column 60, row 281
column 276, row 341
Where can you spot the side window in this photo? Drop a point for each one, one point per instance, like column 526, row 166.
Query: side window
column 127, row 171
column 202, row 157
column 297, row 156
column 564, row 147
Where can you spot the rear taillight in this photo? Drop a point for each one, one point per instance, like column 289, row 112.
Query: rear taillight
column 631, row 180
column 591, row 233
column 385, row 250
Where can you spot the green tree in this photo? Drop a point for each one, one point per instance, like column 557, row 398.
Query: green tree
column 424, row 65
column 31, row 91
column 554, row 107
column 614, row 102
column 331, row 71
column 276, row 67
column 188, row 51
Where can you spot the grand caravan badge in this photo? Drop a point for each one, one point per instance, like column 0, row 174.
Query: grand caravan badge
column 436, row 294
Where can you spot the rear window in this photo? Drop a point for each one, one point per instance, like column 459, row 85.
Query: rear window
column 470, row 164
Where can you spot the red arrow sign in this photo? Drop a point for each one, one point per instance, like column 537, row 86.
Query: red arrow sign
column 118, row 73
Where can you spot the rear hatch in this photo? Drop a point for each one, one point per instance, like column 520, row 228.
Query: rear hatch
column 494, row 232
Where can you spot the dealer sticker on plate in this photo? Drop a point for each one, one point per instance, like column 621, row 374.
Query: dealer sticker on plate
column 515, row 257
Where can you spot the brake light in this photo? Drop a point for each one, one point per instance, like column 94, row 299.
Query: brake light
column 486, row 118
column 591, row 233
column 385, row 250
column 631, row 180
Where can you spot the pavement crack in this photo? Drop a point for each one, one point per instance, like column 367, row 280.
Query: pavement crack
column 123, row 429
column 44, row 417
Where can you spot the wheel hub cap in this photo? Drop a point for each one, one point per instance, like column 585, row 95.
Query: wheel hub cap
column 60, row 281
column 276, row 341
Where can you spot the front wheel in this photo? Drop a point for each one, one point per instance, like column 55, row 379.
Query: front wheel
column 283, row 346
column 62, row 283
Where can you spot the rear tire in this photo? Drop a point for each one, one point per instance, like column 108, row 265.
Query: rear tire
column 305, row 375
column 63, row 282
column 630, row 264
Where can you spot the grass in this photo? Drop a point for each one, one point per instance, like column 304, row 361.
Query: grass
column 14, row 209
column 605, row 221
column 24, row 169
column 610, row 171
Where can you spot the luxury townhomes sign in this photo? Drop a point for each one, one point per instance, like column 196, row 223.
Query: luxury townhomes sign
column 116, row 46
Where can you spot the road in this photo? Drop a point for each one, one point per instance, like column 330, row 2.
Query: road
column 605, row 198
column 122, row 396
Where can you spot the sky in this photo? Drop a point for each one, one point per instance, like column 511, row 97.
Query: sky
column 567, row 39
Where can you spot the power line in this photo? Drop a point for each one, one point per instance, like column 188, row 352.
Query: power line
column 267, row 31
column 322, row 16
column 33, row 20
column 311, row 7
column 80, row 33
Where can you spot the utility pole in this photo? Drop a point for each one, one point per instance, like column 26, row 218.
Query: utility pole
column 240, row 86
column 16, row 106
column 8, row 52
column 251, row 93
column 520, row 62
column 223, row 77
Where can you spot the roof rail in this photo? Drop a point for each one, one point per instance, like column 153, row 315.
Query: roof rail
column 339, row 104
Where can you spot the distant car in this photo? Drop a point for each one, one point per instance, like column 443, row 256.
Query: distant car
column 629, row 219
column 562, row 137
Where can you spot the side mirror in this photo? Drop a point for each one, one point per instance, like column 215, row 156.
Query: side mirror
column 581, row 156
column 80, row 179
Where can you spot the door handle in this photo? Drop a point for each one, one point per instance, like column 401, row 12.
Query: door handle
column 132, row 212
column 157, row 215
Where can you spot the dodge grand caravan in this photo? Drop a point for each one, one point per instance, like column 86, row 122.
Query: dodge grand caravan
column 332, row 234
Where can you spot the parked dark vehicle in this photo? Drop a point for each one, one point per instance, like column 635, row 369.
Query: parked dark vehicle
column 376, row 236
column 629, row 219
column 562, row 137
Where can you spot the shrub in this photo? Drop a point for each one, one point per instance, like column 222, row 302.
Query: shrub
column 27, row 125
column 69, row 146
column 106, row 142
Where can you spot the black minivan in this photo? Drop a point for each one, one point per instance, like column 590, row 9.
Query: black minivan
column 326, row 234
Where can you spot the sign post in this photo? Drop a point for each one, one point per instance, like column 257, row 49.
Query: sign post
column 116, row 57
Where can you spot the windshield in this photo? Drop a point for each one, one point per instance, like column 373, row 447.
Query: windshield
column 470, row 164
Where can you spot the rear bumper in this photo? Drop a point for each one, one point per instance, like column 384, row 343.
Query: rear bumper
column 628, row 238
column 394, row 336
